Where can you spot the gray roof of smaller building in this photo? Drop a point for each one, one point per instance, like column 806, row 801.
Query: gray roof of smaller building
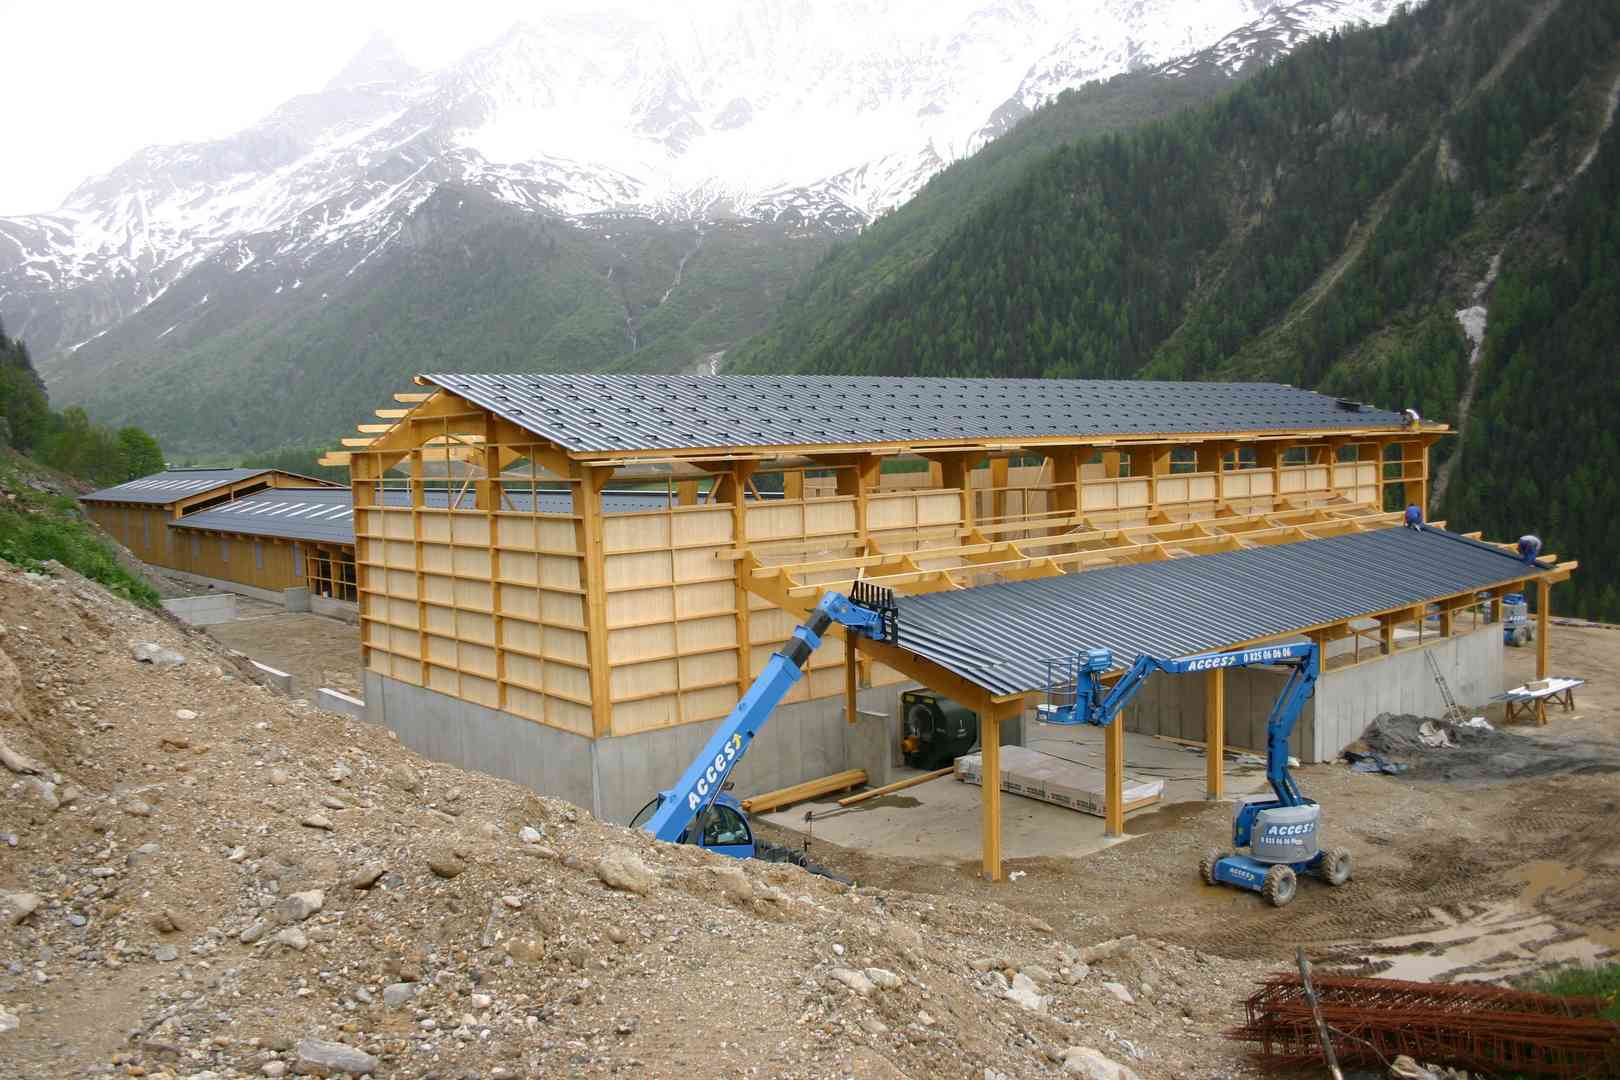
column 326, row 515
column 172, row 485
column 597, row 413
column 316, row 514
column 1000, row 636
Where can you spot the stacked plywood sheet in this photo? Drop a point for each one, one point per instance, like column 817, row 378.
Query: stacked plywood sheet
column 1035, row 775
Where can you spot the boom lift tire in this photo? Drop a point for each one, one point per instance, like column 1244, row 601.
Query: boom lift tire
column 1206, row 865
column 1336, row 867
column 1280, row 885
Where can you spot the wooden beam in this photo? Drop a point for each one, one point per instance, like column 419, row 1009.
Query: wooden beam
column 1215, row 733
column 810, row 789
column 898, row 785
column 412, row 398
column 392, row 414
column 334, row 459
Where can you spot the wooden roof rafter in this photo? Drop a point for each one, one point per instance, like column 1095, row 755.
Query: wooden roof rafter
column 1144, row 544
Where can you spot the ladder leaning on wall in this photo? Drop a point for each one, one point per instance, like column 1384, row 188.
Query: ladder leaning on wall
column 1454, row 713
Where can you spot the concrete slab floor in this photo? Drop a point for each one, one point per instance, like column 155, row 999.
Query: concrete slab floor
column 940, row 820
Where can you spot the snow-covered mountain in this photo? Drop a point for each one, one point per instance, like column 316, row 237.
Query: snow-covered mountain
column 817, row 116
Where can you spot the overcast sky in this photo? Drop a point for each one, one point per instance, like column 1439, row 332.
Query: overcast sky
column 89, row 83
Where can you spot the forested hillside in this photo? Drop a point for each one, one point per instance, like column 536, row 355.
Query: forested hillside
column 1323, row 224
column 67, row 440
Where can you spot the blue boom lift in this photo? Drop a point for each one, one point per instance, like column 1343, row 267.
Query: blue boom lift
column 1280, row 828
column 697, row 810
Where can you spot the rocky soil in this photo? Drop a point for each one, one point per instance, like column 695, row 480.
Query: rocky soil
column 200, row 878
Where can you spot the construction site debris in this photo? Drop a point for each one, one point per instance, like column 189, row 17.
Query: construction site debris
column 1436, row 736
column 1469, row 1026
column 1481, row 754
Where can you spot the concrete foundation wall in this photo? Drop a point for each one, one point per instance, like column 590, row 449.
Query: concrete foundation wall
column 614, row 776
column 1174, row 705
column 274, row 596
column 203, row 610
column 347, row 610
column 1346, row 699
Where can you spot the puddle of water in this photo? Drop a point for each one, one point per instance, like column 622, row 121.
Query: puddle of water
column 896, row 802
column 1167, row 816
column 1499, row 942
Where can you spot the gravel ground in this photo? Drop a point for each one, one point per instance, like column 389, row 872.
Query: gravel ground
column 199, row 878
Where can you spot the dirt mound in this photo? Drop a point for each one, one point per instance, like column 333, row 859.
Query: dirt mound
column 199, row 878
column 1484, row 754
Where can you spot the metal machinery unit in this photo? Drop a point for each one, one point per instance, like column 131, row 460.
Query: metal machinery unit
column 1517, row 629
column 698, row 810
column 937, row 730
column 1279, row 829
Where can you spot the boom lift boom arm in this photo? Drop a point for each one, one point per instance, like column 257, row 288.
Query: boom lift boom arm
column 1094, row 704
column 1280, row 832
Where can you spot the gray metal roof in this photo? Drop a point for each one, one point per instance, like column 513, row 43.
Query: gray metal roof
column 327, row 515
column 172, row 485
column 999, row 636
column 588, row 413
column 316, row 514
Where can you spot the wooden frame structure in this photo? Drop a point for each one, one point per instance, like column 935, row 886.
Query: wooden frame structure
column 608, row 624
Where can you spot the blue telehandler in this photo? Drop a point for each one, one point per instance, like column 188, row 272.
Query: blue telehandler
column 698, row 809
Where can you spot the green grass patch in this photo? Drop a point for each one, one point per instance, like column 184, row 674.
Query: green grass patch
column 30, row 540
column 1599, row 982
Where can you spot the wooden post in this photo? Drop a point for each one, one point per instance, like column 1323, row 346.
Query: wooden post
column 998, row 487
column 686, row 493
column 990, row 794
column 1447, row 616
column 735, row 484
column 1269, row 456
column 851, row 683
column 1386, row 634
column 1543, row 630
column 956, row 471
column 1114, row 777
column 1065, row 493
column 793, row 484
column 1215, row 733
column 488, row 495
column 588, row 518
column 1543, row 626
column 858, row 480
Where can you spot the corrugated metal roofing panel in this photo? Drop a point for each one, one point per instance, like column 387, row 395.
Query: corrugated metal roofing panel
column 172, row 484
column 999, row 636
column 588, row 413
column 317, row 514
column 326, row 514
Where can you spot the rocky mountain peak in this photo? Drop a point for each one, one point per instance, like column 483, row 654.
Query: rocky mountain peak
column 377, row 62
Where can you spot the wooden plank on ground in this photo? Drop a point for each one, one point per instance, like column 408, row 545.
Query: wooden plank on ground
column 898, row 785
column 810, row 789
